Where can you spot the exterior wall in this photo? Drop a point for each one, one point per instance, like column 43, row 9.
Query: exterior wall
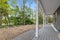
column 57, row 19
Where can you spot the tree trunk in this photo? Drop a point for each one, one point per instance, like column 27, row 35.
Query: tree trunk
column 23, row 12
column 8, row 21
column 0, row 20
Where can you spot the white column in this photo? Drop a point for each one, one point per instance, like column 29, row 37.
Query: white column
column 43, row 20
column 42, row 10
column 37, row 18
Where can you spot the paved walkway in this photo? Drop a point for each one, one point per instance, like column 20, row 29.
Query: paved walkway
column 26, row 36
column 45, row 33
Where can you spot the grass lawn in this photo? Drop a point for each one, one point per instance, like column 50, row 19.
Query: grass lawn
column 11, row 32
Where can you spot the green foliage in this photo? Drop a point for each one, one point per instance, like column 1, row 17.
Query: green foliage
column 50, row 19
column 3, row 9
column 12, row 14
column 40, row 18
column 28, row 21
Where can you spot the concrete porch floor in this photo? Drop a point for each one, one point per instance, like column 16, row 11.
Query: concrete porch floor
column 45, row 33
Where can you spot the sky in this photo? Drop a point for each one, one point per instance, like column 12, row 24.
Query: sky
column 19, row 3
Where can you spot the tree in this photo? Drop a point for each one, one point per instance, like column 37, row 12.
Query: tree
column 50, row 19
column 40, row 18
column 28, row 19
column 3, row 9
column 11, row 13
column 24, row 2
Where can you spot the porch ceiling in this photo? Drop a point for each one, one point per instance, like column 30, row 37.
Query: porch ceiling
column 49, row 6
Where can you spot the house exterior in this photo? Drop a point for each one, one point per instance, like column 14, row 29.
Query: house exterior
column 49, row 7
column 52, row 7
column 57, row 19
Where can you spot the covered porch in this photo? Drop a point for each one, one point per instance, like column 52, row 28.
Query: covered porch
column 48, row 31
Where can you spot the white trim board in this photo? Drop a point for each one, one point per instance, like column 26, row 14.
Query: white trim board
column 54, row 28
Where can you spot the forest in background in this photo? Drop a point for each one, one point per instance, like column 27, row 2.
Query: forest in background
column 18, row 12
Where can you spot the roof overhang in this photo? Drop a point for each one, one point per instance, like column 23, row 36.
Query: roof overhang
column 49, row 6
